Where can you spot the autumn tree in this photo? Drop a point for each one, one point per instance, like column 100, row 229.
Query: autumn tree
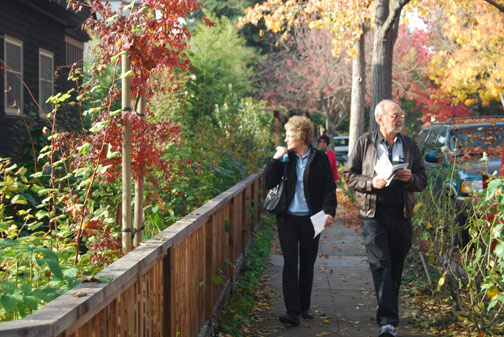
column 471, row 68
column 303, row 76
column 386, row 18
column 434, row 102
column 347, row 21
column 153, row 37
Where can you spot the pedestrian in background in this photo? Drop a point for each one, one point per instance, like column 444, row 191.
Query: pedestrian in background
column 309, row 189
column 323, row 144
column 385, row 206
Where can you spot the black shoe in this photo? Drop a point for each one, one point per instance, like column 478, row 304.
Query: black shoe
column 291, row 319
column 307, row 314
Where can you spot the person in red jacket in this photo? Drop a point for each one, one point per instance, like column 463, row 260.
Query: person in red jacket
column 323, row 144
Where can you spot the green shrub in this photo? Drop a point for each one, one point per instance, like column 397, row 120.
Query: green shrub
column 468, row 272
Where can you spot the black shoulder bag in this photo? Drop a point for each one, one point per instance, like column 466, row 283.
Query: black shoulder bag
column 275, row 201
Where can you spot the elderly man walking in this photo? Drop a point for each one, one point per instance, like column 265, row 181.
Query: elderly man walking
column 386, row 205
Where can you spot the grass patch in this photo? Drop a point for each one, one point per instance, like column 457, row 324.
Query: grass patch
column 243, row 300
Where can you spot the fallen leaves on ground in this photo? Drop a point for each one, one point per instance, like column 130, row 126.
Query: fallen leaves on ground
column 430, row 311
column 347, row 212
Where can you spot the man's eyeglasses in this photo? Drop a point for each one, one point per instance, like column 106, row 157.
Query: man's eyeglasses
column 397, row 116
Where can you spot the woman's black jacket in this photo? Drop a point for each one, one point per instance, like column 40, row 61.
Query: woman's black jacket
column 319, row 186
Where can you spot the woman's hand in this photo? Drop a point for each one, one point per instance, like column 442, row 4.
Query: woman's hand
column 329, row 220
column 281, row 150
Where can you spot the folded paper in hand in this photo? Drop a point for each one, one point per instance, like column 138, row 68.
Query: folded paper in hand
column 385, row 169
column 318, row 221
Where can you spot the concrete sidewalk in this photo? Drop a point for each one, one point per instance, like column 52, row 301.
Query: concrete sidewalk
column 343, row 299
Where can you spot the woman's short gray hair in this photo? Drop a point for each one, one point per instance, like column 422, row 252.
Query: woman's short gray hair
column 302, row 127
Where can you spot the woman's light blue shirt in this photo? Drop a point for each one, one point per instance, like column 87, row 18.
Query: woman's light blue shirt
column 298, row 206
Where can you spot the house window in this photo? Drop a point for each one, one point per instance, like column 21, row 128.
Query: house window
column 13, row 76
column 74, row 51
column 46, row 79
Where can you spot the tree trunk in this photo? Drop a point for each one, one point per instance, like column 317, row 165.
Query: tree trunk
column 387, row 14
column 496, row 5
column 329, row 124
column 358, row 94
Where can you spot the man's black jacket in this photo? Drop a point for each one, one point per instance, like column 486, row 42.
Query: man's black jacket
column 359, row 173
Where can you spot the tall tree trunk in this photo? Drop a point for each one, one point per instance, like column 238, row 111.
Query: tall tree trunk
column 387, row 14
column 329, row 123
column 358, row 93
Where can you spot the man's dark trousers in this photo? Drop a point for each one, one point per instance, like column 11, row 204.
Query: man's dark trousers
column 387, row 237
column 295, row 234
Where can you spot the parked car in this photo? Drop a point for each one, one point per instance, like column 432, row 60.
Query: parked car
column 465, row 140
column 474, row 143
column 341, row 149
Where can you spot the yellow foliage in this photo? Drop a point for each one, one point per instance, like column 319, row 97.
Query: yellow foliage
column 441, row 281
column 492, row 293
column 427, row 224
column 469, row 101
column 352, row 52
column 473, row 66
column 342, row 18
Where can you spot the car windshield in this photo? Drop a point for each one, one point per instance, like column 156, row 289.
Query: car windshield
column 340, row 141
column 473, row 140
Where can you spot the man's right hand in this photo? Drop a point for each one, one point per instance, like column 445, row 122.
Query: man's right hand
column 379, row 182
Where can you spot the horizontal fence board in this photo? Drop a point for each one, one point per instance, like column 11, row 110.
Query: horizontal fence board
column 27, row 327
column 164, row 287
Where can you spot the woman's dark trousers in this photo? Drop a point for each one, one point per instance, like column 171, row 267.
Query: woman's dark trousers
column 296, row 240
column 387, row 237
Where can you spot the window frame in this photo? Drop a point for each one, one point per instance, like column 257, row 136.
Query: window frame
column 8, row 110
column 72, row 42
column 41, row 101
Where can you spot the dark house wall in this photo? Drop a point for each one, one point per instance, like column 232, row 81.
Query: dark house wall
column 38, row 24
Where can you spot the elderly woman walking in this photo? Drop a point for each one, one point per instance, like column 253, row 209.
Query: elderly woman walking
column 309, row 189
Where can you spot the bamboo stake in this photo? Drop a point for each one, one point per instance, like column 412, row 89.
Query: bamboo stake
column 126, row 157
column 139, row 188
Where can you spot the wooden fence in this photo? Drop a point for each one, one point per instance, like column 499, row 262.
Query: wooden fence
column 172, row 285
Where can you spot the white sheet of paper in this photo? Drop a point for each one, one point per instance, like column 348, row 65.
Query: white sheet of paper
column 398, row 167
column 384, row 167
column 318, row 221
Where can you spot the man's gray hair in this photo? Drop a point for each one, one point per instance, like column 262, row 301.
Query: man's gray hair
column 380, row 108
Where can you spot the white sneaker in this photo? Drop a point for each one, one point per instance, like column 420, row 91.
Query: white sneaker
column 387, row 331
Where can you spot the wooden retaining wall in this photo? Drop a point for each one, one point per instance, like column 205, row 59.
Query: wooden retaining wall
column 172, row 285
